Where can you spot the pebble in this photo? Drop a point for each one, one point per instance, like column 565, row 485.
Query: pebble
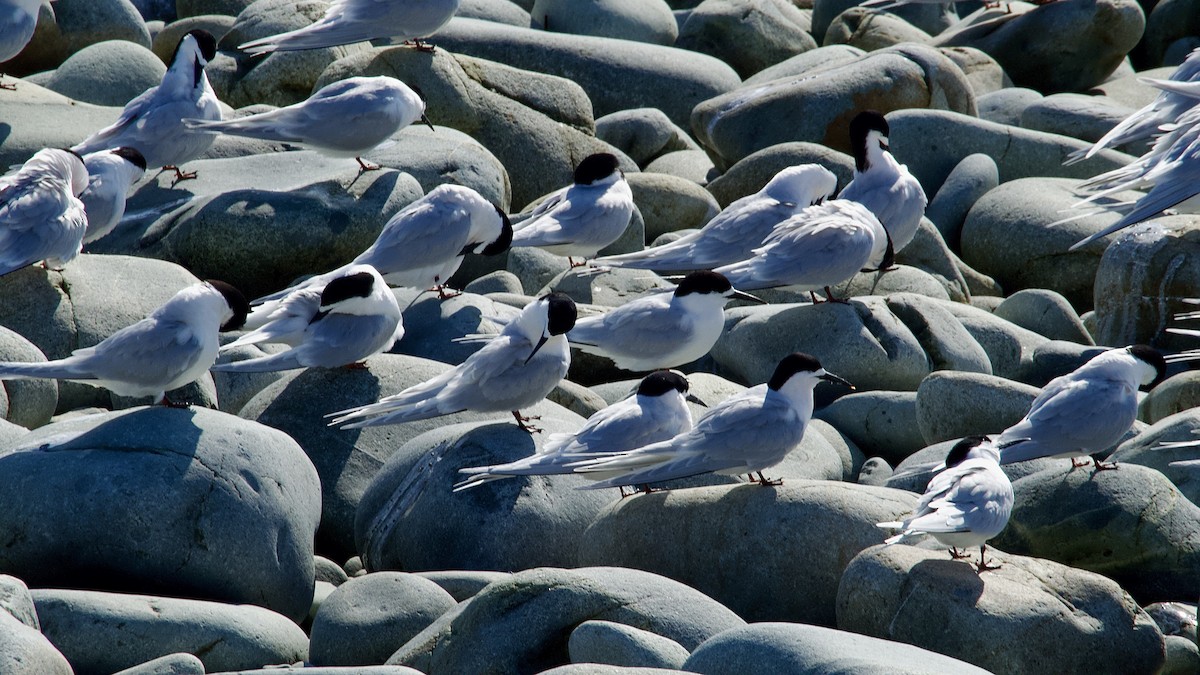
column 805, row 62
column 1044, row 312
column 694, row 165
column 954, row 404
column 881, row 423
column 71, row 25
column 28, row 403
column 1005, row 106
column 930, row 18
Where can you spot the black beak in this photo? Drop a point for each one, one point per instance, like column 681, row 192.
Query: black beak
column 830, row 377
column 537, row 347
column 695, row 399
column 1009, row 444
column 742, row 295
column 889, row 254
column 884, row 146
column 426, row 121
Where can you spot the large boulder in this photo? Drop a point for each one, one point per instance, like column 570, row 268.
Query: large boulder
column 1028, row 616
column 1178, row 463
column 744, row 546
column 953, row 405
column 68, row 26
column 747, row 34
column 638, row 20
column 36, row 118
column 818, row 106
column 105, row 632
column 524, row 623
column 108, row 73
column 191, row 503
column 1131, row 525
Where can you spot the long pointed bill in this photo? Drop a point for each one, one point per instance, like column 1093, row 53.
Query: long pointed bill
column 426, row 121
column 537, row 347
column 695, row 399
column 742, row 295
column 830, row 377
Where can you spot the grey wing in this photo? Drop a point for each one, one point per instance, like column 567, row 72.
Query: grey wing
column 634, row 326
column 37, row 220
column 289, row 321
column 734, row 237
column 133, row 111
column 429, row 232
column 151, row 350
column 626, row 427
column 103, row 206
column 974, row 500
column 821, row 253
column 1075, row 415
column 342, row 339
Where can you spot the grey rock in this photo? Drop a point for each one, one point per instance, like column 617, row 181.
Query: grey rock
column 1177, row 393
column 1087, row 118
column 500, row 281
column 1009, row 347
column 234, row 390
column 156, row 11
column 862, row 341
column 804, row 62
column 498, row 105
column 191, row 516
column 870, row 30
column 643, row 134
column 933, row 142
column 306, row 212
column 463, row 584
column 668, row 203
column 431, row 325
column 500, row 11
column 348, row 460
column 1054, row 358
column 334, row 670
column 953, row 405
column 1045, row 312
column 609, row 289
column 694, row 165
column 1007, row 235
column 947, row 343
column 368, row 618
column 70, row 25
column 1136, row 527
column 86, row 302
column 1145, row 449
column 329, row 571
column 108, row 73
column 1127, row 89
column 638, row 20
column 1174, row 618
column 620, row 645
column 1167, row 250
column 576, row 398
column 16, row 601
column 791, row 575
column 105, row 632
column 1085, row 622
column 1106, row 31
column 25, row 651
column 752, row 172
column 793, row 648
column 445, row 155
column 882, row 423
column 1169, row 21
column 1183, row 656
column 1006, row 105
column 28, row 403
column 507, row 525
column 190, row 8
column 930, row 18
column 747, row 34
column 168, row 38
column 982, row 71
column 970, row 180
column 171, row 664
column 535, row 268
column 818, row 107
column 902, row 279
column 37, row 118
column 524, row 622
column 929, row 252
column 914, row 473
column 852, row 456
column 615, row 75
column 875, row 471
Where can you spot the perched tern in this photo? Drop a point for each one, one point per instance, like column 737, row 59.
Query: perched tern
column 353, row 317
column 422, row 245
column 582, row 218
column 745, row 434
column 738, row 229
column 1143, row 125
column 1087, row 410
column 656, row 412
column 110, row 175
column 515, row 370
column 41, row 217
column 349, row 21
column 965, row 505
column 819, row 247
column 18, row 19
column 343, row 119
column 662, row 330
column 882, row 184
column 153, row 122
column 173, row 346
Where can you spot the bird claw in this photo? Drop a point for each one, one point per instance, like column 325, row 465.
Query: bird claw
column 983, row 566
column 1102, row 466
column 357, row 365
column 763, row 480
column 443, row 294
column 175, row 404
column 180, row 176
column 8, row 87
column 955, row 554
column 421, row 46
column 529, row 428
column 1075, row 464
column 365, row 166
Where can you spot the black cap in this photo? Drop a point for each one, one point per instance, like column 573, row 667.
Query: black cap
column 131, row 155
column 502, row 242
column 959, row 452
column 796, row 362
column 862, row 125
column 236, row 301
column 1153, row 357
column 595, row 167
column 560, row 316
column 703, row 282
column 357, row 285
column 661, row 381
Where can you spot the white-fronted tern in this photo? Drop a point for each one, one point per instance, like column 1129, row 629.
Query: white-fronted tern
column 41, row 217
column 735, row 232
column 349, row 21
column 515, row 370
column 343, row 119
column 656, row 412
column 173, row 346
column 882, row 184
column 965, row 505
column 745, row 434
column 662, row 330
column 349, row 319
column 153, row 122
column 582, row 218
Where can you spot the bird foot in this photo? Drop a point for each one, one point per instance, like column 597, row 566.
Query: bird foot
column 180, row 176
column 763, row 480
column 446, row 294
column 421, row 46
column 8, row 87
column 1075, row 463
column 175, row 404
column 983, row 566
column 956, row 554
column 1102, row 466
column 521, row 422
column 829, row 298
column 365, row 166
column 573, row 264
column 357, row 365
